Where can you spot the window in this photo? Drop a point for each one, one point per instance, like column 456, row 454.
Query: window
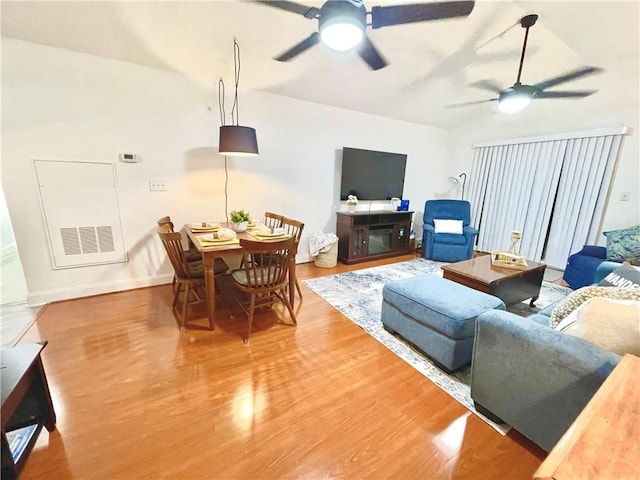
column 553, row 189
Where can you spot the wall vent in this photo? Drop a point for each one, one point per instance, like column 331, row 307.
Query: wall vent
column 86, row 240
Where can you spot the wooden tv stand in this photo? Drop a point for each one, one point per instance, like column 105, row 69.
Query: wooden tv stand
column 373, row 235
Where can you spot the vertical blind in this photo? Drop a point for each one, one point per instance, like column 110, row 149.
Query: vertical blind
column 553, row 189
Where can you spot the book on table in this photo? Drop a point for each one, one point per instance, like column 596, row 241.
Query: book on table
column 19, row 438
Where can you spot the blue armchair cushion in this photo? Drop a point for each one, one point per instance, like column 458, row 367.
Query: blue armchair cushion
column 593, row 251
column 451, row 238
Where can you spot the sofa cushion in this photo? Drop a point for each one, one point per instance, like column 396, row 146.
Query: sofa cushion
column 578, row 297
column 623, row 244
column 625, row 276
column 608, row 323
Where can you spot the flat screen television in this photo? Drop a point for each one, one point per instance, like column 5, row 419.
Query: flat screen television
column 371, row 175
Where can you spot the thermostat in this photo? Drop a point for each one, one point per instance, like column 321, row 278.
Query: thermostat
column 130, row 158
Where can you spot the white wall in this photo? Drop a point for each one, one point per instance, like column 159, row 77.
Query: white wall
column 63, row 105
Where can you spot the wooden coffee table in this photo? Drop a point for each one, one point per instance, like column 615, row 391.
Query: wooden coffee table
column 508, row 284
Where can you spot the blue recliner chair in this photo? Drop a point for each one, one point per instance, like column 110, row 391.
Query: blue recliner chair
column 447, row 247
column 582, row 266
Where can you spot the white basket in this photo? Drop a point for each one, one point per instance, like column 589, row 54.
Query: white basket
column 328, row 259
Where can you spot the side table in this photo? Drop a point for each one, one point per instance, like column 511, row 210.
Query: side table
column 26, row 405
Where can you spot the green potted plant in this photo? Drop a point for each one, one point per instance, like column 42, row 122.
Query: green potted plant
column 240, row 220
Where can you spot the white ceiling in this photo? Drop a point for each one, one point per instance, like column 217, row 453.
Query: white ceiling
column 431, row 64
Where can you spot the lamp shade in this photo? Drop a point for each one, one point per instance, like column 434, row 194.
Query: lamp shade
column 237, row 141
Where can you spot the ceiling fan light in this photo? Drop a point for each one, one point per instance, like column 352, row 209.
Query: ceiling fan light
column 342, row 33
column 514, row 103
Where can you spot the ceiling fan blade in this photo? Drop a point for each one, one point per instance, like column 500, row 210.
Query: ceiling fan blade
column 490, row 85
column 582, row 72
column 297, row 49
column 568, row 94
column 307, row 12
column 466, row 104
column 369, row 54
column 418, row 12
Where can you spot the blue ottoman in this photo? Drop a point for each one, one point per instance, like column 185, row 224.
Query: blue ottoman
column 436, row 315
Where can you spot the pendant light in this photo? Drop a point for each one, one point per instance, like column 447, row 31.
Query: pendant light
column 235, row 140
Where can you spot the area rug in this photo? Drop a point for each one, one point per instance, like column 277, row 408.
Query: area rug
column 358, row 295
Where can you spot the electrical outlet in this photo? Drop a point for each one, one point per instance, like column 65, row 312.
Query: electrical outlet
column 157, row 185
column 624, row 196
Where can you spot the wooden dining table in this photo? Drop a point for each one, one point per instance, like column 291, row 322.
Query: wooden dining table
column 211, row 251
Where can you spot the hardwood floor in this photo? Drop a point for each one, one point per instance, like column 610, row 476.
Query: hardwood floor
column 136, row 398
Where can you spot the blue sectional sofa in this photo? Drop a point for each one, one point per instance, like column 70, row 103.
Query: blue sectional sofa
column 523, row 372
column 533, row 377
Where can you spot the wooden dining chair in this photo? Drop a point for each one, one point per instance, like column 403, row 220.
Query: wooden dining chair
column 193, row 255
column 273, row 220
column 264, row 276
column 188, row 276
column 294, row 228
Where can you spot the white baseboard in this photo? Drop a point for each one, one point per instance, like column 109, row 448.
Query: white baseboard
column 37, row 299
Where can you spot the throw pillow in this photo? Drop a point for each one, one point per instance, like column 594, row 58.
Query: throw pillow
column 625, row 276
column 578, row 297
column 447, row 226
column 623, row 244
column 609, row 324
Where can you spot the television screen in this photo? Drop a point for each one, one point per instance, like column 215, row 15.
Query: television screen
column 371, row 175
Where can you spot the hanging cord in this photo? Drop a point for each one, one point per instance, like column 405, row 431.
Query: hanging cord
column 235, row 111
column 226, row 172
column 226, row 183
column 221, row 101
column 235, row 116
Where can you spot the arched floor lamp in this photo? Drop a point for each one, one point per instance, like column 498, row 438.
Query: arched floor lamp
column 457, row 180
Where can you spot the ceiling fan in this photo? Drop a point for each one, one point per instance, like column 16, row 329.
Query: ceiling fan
column 342, row 23
column 517, row 97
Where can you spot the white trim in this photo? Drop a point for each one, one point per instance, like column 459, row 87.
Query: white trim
column 41, row 298
column 618, row 129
